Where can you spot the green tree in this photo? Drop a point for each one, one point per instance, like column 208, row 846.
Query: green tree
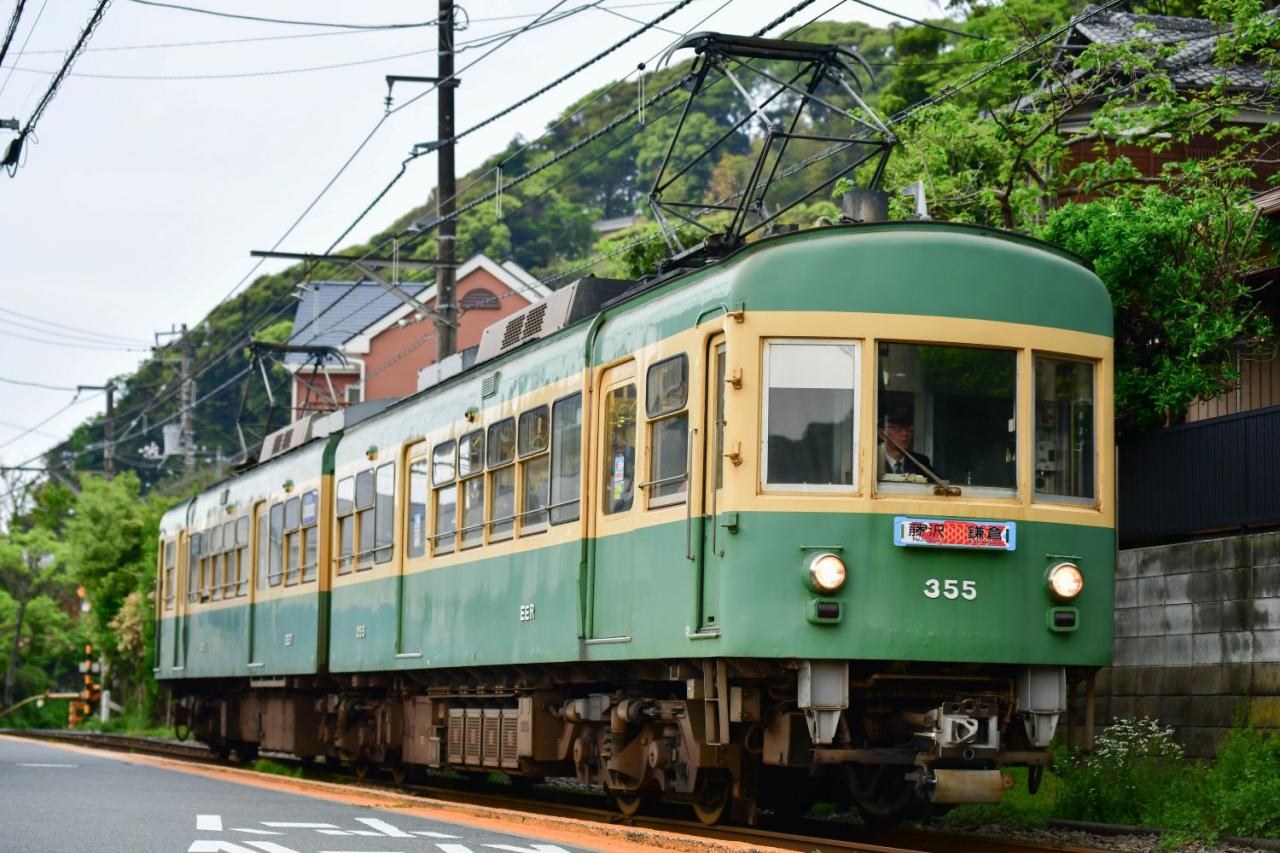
column 32, row 567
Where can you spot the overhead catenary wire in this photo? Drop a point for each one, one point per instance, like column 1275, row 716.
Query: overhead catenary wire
column 9, row 381
column 264, row 20
column 77, row 329
column 25, row 41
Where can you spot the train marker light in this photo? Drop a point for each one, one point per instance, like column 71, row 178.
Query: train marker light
column 826, row 572
column 1065, row 581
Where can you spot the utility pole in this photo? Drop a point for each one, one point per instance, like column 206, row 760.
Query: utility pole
column 186, row 398
column 109, row 447
column 446, row 293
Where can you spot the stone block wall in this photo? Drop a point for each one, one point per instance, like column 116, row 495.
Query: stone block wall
column 1197, row 638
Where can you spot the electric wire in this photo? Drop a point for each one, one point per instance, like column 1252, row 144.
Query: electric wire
column 75, row 400
column 74, row 337
column 106, row 336
column 36, row 384
column 919, row 23
column 257, row 19
column 22, row 50
column 12, row 28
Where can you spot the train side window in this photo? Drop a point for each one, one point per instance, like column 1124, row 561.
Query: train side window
column 566, row 458
column 417, row 531
column 666, row 396
column 502, row 479
column 1065, row 460
column 264, row 550
column 443, row 469
column 212, row 582
column 170, row 566
column 344, row 510
column 292, row 540
column 471, row 480
column 275, row 564
column 810, row 428
column 193, row 566
column 365, row 508
column 385, row 513
column 533, row 448
column 310, row 535
column 230, row 560
column 619, row 446
column 242, row 558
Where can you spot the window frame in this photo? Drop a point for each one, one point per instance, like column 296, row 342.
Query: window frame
column 525, row 460
column 168, row 573
column 552, row 504
column 856, row 392
column 292, row 540
column 275, row 545
column 998, row 493
column 384, row 551
column 243, row 555
column 438, row 487
column 470, row 529
column 494, row 469
column 309, row 530
column 1067, row 500
column 419, row 473
column 344, row 519
column 652, row 421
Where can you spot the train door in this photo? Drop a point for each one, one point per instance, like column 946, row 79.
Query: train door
column 613, row 501
column 172, row 651
column 259, row 612
column 188, row 569
column 411, row 604
column 709, row 550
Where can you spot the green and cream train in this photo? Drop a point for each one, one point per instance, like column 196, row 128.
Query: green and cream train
column 830, row 515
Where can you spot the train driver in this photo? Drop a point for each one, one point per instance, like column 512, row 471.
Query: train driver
column 895, row 456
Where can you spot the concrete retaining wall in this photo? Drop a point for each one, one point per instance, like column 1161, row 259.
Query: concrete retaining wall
column 1197, row 638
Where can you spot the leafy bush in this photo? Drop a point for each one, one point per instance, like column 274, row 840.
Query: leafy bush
column 1135, row 773
column 1243, row 787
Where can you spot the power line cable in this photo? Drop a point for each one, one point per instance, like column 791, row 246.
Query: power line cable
column 919, row 23
column 257, row 19
column 73, row 337
column 71, row 345
column 12, row 28
column 22, row 50
column 82, row 331
column 36, row 384
column 15, row 146
column 75, row 400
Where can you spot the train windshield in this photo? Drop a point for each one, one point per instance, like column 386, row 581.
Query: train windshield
column 946, row 414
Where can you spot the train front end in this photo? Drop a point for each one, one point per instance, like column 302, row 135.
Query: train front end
column 915, row 502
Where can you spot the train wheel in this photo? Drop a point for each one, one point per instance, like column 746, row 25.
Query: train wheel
column 399, row 773
column 362, row 770
column 630, row 806
column 713, row 805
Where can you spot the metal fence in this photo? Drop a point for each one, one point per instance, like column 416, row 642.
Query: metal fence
column 1209, row 476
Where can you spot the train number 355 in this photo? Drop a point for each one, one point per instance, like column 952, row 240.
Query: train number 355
column 948, row 588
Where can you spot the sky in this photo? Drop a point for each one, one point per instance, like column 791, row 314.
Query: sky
column 163, row 160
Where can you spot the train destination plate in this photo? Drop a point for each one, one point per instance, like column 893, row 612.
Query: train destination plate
column 949, row 533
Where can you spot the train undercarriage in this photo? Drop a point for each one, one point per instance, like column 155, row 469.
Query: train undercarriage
column 728, row 736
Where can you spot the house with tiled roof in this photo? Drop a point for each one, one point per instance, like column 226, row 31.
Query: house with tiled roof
column 384, row 341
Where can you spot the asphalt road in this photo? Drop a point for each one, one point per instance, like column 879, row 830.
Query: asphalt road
column 59, row 801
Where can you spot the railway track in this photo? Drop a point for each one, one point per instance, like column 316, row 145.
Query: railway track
column 806, row 834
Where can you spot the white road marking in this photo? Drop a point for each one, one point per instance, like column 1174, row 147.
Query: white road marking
column 454, row 848
column 383, row 827
column 532, row 848
column 255, row 831
column 429, row 834
column 366, row 832
column 33, row 764
column 333, row 832
column 286, row 824
column 270, row 847
column 207, row 846
column 208, row 823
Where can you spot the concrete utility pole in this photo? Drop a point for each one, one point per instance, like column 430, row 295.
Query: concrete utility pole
column 186, row 398
column 109, row 446
column 446, row 284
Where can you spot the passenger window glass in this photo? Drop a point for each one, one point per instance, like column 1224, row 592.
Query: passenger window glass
column 947, row 412
column 364, row 489
column 503, row 505
column 310, row 535
column 242, row 561
column 292, row 514
column 620, row 449
column 170, row 562
column 1065, row 457
column 472, row 522
column 809, row 424
column 566, row 458
column 276, row 548
column 346, row 496
column 667, row 386
column 442, row 464
column 502, row 442
column 446, row 519
column 535, row 429
column 386, row 518
column 230, row 563
column 193, row 567
column 471, row 454
column 417, row 531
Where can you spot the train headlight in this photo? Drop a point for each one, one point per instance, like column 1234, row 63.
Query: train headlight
column 1065, row 581
column 825, row 573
